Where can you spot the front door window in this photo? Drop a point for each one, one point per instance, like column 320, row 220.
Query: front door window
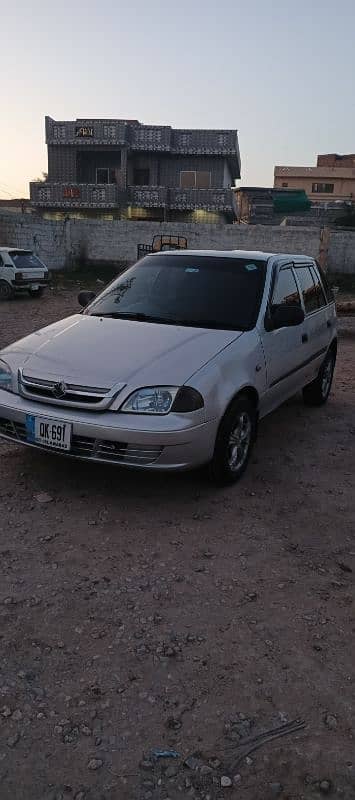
column 286, row 290
column 105, row 175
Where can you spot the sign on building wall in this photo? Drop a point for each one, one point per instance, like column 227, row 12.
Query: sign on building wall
column 71, row 192
column 84, row 131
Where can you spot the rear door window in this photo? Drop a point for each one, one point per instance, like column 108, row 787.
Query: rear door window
column 308, row 289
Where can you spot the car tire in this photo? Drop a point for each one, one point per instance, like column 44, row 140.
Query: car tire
column 317, row 392
column 234, row 442
column 36, row 292
column 6, row 291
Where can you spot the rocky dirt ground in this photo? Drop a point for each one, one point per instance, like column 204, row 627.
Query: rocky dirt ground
column 141, row 614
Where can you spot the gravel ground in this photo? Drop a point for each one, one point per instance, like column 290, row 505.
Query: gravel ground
column 142, row 611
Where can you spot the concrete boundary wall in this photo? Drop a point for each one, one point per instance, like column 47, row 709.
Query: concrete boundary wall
column 65, row 244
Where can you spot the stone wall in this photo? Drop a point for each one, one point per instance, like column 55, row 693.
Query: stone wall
column 63, row 244
column 341, row 252
column 50, row 240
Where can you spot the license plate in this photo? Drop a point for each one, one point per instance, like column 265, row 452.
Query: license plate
column 48, row 432
column 35, row 286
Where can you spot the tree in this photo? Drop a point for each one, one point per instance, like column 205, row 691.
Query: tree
column 43, row 179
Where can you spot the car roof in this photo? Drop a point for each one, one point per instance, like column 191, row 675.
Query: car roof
column 253, row 255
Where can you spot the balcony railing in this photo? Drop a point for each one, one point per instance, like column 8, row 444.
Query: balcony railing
column 75, row 195
column 84, row 195
column 206, row 199
column 181, row 199
column 148, row 196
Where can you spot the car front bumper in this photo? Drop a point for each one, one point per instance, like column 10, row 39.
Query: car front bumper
column 172, row 442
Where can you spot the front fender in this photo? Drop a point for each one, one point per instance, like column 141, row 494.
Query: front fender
column 240, row 365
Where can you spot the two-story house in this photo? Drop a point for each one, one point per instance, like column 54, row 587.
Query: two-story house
column 134, row 171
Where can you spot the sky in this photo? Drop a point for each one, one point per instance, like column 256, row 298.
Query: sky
column 280, row 72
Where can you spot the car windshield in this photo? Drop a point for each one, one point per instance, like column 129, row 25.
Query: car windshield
column 25, row 260
column 192, row 290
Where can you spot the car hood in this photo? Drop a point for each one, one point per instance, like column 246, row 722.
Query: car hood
column 100, row 352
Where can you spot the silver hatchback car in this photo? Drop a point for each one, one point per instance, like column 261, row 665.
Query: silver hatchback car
column 174, row 363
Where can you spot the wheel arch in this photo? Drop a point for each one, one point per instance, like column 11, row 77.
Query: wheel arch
column 251, row 393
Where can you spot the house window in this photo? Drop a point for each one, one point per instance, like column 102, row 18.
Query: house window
column 105, row 175
column 284, row 185
column 188, row 180
column 191, row 179
column 141, row 177
column 322, row 188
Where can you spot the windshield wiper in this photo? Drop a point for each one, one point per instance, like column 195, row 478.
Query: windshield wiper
column 208, row 323
column 138, row 316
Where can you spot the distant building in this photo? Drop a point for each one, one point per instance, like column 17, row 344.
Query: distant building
column 260, row 205
column 332, row 179
column 123, row 169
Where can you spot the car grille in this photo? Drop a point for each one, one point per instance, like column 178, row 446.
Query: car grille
column 74, row 396
column 89, row 448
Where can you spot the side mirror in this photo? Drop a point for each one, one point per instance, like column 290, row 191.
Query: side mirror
column 84, row 298
column 285, row 316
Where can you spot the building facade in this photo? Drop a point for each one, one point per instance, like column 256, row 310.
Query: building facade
column 124, row 169
column 332, row 179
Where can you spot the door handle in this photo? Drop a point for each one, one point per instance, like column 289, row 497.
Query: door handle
column 304, row 338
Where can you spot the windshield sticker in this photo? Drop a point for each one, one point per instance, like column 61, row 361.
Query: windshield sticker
column 250, row 267
column 191, row 269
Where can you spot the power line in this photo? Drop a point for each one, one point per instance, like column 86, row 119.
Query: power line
column 4, row 187
column 5, row 192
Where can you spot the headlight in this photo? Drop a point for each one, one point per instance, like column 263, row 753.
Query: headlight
column 162, row 399
column 5, row 377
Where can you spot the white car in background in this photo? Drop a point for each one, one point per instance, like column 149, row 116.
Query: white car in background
column 174, row 363
column 21, row 269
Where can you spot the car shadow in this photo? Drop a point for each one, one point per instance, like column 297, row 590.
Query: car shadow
column 285, row 439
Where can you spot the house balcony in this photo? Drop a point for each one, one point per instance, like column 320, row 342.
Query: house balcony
column 75, row 195
column 110, row 196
